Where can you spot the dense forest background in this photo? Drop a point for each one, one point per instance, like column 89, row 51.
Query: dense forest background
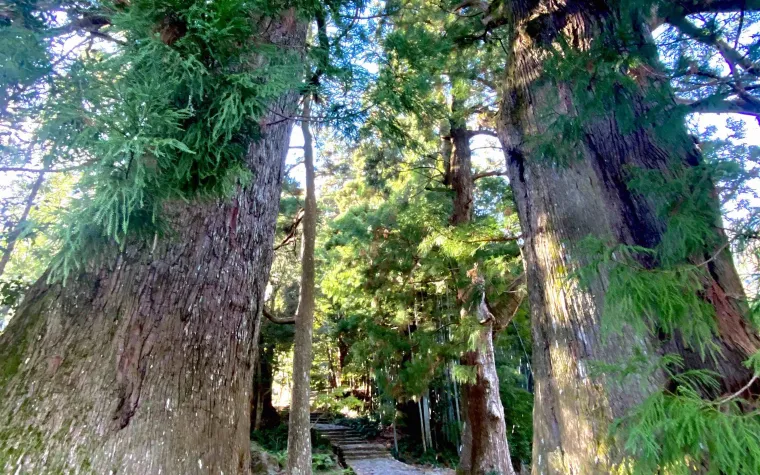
column 497, row 237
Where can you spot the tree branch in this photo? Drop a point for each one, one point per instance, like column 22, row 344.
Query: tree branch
column 692, row 7
column 278, row 320
column 292, row 231
column 489, row 133
column 496, row 239
column 478, row 176
column 671, row 10
column 733, row 106
column 709, row 38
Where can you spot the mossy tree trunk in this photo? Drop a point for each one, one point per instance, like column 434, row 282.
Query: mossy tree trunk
column 143, row 365
column 561, row 204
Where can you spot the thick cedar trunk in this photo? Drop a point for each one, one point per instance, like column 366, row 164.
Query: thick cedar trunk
column 558, row 206
column 299, row 426
column 484, row 440
column 144, row 365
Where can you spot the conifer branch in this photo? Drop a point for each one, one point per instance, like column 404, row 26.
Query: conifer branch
column 708, row 38
column 292, row 230
column 738, row 393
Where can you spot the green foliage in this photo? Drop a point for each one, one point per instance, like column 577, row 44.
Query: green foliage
column 369, row 426
column 273, row 439
column 679, row 432
column 11, row 291
column 322, row 462
column 336, row 402
column 165, row 116
column 646, row 300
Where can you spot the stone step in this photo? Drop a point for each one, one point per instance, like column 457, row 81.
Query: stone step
column 363, row 445
column 343, row 433
column 349, row 444
column 382, row 450
column 338, row 435
column 365, row 456
column 336, row 431
column 355, row 455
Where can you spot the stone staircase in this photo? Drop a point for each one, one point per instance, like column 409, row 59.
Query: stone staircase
column 363, row 456
column 347, row 443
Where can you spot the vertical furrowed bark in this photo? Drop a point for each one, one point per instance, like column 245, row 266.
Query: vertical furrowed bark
column 561, row 204
column 144, row 365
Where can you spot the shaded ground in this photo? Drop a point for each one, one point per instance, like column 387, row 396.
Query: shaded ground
column 386, row 466
column 365, row 457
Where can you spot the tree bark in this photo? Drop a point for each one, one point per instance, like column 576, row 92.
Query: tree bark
column 461, row 174
column 559, row 205
column 144, row 365
column 484, row 440
column 299, row 426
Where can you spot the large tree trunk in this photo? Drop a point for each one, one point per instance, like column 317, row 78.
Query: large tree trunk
column 144, row 365
column 484, row 441
column 558, row 206
column 299, row 425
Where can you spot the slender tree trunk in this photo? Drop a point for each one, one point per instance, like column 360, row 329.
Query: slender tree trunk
column 299, row 428
column 558, row 206
column 144, row 365
column 343, row 350
column 19, row 227
column 333, row 373
column 422, row 427
column 263, row 413
column 447, row 147
column 461, row 175
column 257, row 406
column 426, row 417
column 484, row 441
